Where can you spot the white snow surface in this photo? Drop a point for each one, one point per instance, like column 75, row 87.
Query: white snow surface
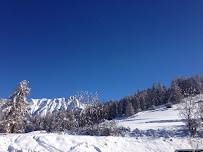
column 161, row 118
column 164, row 125
column 44, row 142
column 42, row 106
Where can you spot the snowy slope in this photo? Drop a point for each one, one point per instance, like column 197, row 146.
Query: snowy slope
column 161, row 118
column 164, row 125
column 42, row 106
column 45, row 142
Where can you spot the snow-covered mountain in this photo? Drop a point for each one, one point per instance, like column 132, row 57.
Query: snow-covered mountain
column 42, row 106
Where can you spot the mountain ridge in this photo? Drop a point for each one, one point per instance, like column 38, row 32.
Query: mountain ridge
column 44, row 105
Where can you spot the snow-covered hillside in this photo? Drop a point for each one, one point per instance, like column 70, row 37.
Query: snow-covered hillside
column 161, row 118
column 157, row 130
column 42, row 106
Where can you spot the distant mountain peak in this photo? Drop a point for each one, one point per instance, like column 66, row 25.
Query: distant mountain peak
column 44, row 105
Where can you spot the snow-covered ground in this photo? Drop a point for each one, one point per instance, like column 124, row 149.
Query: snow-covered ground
column 161, row 118
column 157, row 130
column 44, row 142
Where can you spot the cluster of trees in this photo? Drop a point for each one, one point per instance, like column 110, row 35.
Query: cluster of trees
column 190, row 86
column 15, row 118
column 157, row 95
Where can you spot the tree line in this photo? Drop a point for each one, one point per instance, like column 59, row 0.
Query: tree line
column 156, row 95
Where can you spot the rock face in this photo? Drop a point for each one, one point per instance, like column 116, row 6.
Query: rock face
column 42, row 106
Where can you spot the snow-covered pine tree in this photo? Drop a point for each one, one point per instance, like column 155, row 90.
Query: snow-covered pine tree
column 15, row 111
column 175, row 93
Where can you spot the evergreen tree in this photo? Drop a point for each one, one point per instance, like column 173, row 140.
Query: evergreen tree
column 175, row 93
column 148, row 98
column 125, row 100
column 129, row 109
column 154, row 94
column 161, row 94
column 120, row 114
column 15, row 111
column 166, row 95
column 114, row 109
column 143, row 101
column 137, row 103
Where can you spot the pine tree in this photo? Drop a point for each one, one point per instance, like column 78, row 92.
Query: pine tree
column 148, row 98
column 154, row 94
column 114, row 109
column 137, row 103
column 161, row 94
column 166, row 95
column 175, row 93
column 125, row 100
column 129, row 109
column 142, row 100
column 15, row 111
column 120, row 114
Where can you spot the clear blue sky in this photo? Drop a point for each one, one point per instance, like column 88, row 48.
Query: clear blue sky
column 112, row 47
